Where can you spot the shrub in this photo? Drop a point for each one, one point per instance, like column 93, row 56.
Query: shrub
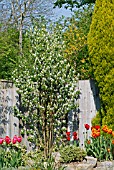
column 71, row 153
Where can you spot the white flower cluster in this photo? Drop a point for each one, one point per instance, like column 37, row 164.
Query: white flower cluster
column 48, row 86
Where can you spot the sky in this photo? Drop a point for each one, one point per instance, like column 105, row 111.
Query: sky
column 58, row 12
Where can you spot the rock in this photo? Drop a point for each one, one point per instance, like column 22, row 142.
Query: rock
column 84, row 166
column 56, row 156
column 106, row 165
column 70, row 168
column 91, row 160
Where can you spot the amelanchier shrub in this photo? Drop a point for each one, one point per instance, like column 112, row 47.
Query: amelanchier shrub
column 47, row 87
column 101, row 51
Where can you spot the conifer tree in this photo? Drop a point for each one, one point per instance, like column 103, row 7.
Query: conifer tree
column 101, row 50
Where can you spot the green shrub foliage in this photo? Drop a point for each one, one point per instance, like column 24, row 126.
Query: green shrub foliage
column 75, row 37
column 72, row 153
column 101, row 50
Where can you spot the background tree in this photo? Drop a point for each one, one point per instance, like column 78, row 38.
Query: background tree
column 19, row 13
column 9, row 52
column 72, row 3
column 75, row 37
column 47, row 87
column 15, row 18
column 101, row 50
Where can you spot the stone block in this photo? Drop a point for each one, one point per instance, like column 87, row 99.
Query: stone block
column 91, row 160
column 56, row 156
column 84, row 167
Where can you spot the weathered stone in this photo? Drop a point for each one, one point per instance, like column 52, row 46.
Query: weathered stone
column 70, row 168
column 91, row 160
column 56, row 156
column 106, row 165
column 84, row 167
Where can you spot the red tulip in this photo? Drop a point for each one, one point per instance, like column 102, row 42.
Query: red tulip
column 67, row 133
column 1, row 141
column 68, row 138
column 87, row 126
column 97, row 127
column 19, row 139
column 74, row 133
column 7, row 139
column 75, row 138
column 14, row 139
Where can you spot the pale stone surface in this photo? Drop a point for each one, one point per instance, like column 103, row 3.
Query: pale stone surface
column 56, row 156
column 106, row 165
column 84, row 166
column 90, row 163
column 91, row 160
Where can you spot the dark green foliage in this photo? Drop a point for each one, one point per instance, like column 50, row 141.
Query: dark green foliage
column 72, row 153
column 72, row 3
column 8, row 52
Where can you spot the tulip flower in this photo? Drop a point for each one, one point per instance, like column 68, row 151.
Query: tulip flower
column 14, row 139
column 105, row 129
column 67, row 133
column 87, row 126
column 113, row 141
column 7, row 139
column 1, row 141
column 97, row 134
column 109, row 131
column 74, row 133
column 113, row 133
column 75, row 137
column 97, row 127
column 19, row 139
column 68, row 138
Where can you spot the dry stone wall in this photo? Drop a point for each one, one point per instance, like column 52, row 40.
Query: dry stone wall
column 88, row 104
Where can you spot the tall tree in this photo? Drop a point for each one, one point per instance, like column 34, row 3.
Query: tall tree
column 101, row 50
column 18, row 13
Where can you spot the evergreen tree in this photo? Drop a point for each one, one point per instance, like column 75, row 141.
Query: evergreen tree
column 101, row 50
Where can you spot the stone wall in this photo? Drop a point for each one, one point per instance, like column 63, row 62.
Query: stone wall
column 88, row 104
